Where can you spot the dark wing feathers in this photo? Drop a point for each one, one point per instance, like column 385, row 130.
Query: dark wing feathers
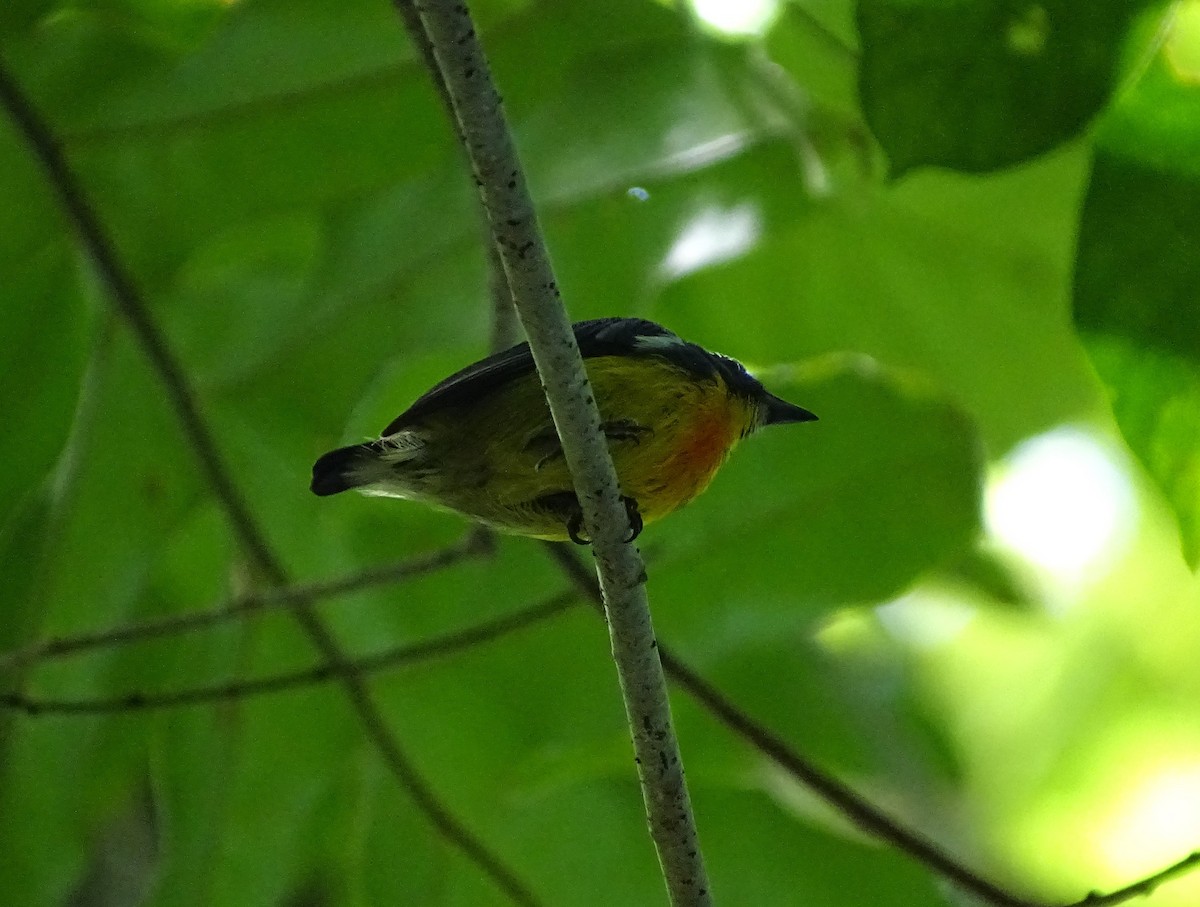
column 599, row 337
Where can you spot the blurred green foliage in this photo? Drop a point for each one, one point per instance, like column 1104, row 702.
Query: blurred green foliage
column 934, row 223
column 978, row 86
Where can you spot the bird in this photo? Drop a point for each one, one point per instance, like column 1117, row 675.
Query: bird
column 481, row 443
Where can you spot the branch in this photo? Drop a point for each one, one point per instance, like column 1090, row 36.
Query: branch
column 389, row 659
column 125, row 296
column 1145, row 887
column 489, row 146
column 839, row 796
column 269, row 599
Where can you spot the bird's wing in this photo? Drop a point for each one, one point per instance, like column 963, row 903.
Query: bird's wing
column 599, row 337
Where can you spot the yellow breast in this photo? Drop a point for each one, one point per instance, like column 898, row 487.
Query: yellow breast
column 503, row 445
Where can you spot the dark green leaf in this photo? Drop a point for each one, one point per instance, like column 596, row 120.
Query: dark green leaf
column 1138, row 269
column 1138, row 274
column 789, row 524
column 981, row 84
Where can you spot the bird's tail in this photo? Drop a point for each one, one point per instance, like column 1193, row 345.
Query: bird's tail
column 345, row 468
column 374, row 463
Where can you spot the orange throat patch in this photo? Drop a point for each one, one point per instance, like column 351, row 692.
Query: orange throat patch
column 703, row 448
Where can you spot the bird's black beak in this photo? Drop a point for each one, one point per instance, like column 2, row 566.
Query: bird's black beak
column 779, row 411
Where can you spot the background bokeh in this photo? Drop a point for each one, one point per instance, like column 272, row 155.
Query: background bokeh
column 966, row 235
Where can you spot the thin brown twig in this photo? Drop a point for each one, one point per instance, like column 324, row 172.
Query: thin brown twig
column 123, row 292
column 390, row 659
column 1145, row 886
column 841, row 797
column 269, row 599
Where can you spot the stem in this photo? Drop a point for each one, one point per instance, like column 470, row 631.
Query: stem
column 254, row 602
column 127, row 299
column 839, row 796
column 389, row 659
column 488, row 143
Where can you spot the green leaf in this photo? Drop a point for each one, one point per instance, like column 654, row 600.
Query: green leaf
column 822, row 61
column 981, row 84
column 909, row 285
column 19, row 15
column 1138, row 270
column 280, row 179
column 1156, row 401
column 112, row 515
column 194, row 753
column 790, row 521
column 45, row 355
column 822, row 869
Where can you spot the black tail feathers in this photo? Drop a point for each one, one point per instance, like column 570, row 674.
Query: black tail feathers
column 341, row 469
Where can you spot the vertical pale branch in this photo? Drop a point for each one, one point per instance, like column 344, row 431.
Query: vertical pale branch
column 488, row 143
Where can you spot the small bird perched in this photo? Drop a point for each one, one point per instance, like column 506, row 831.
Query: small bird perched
column 482, row 443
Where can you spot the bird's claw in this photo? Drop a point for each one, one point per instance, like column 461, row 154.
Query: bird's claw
column 575, row 523
column 635, row 518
